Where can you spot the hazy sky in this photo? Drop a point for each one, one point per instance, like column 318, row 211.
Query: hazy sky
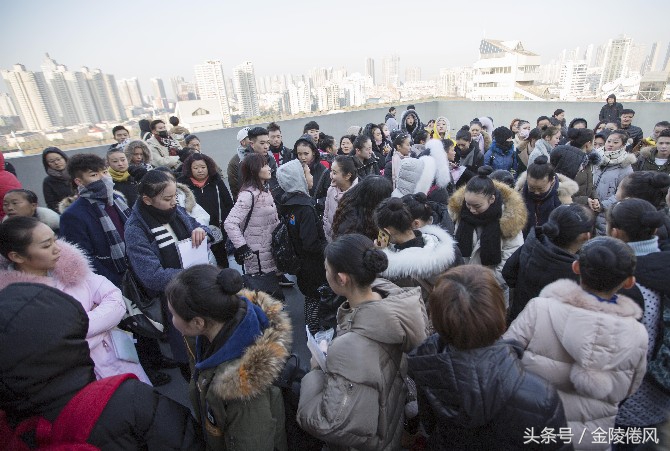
column 166, row 38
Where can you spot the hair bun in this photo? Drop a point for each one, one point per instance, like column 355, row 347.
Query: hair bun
column 375, row 261
column 420, row 197
column 395, row 204
column 465, row 128
column 484, row 171
column 651, row 219
column 542, row 159
column 660, row 180
column 573, row 133
column 230, row 281
column 550, row 230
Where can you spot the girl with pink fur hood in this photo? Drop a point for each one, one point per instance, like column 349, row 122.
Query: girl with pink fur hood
column 586, row 340
column 31, row 253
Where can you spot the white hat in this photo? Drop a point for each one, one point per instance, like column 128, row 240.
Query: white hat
column 243, row 133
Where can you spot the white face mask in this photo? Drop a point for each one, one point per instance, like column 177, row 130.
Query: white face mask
column 523, row 133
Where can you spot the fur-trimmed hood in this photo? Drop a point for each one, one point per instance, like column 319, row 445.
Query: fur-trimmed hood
column 417, row 121
column 514, row 215
column 189, row 197
column 569, row 292
column 437, row 255
column 566, row 187
column 71, row 269
column 263, row 361
column 45, row 215
column 435, row 150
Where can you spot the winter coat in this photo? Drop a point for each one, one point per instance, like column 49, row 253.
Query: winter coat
column 367, row 167
column 320, row 183
column 233, row 172
column 542, row 147
column 647, row 161
column 258, row 234
column 160, row 155
column 578, row 166
column 512, row 222
column 214, row 198
column 358, row 401
column 564, row 191
column 128, row 189
column 417, row 122
column 472, row 161
column 8, row 182
column 420, row 266
column 79, row 224
column 43, row 371
column 55, row 190
column 143, row 252
column 47, row 217
column 333, row 197
column 186, row 200
column 534, row 266
column 610, row 113
column 101, row 300
column 232, row 391
column 606, row 181
column 498, row 159
column 594, row 353
column 429, row 172
column 481, row 398
column 391, row 123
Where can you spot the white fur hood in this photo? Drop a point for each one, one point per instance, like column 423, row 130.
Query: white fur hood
column 437, row 255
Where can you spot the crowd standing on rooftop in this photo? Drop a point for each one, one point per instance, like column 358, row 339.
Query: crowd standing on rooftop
column 469, row 287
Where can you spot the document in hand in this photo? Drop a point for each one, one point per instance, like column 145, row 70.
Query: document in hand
column 190, row 255
column 317, row 353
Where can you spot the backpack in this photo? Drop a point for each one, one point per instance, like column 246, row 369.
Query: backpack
column 282, row 248
column 71, row 429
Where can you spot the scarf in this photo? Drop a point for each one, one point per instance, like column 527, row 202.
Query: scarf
column 489, row 249
column 96, row 194
column 199, row 184
column 171, row 144
column 167, row 246
column 59, row 175
column 540, row 206
column 467, row 158
column 614, row 157
column 119, row 176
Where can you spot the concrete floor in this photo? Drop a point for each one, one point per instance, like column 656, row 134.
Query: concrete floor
column 177, row 389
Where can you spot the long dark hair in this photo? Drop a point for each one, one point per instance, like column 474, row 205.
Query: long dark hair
column 360, row 201
column 250, row 168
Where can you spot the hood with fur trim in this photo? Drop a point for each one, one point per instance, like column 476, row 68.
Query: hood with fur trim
column 189, row 197
column 435, row 149
column 47, row 216
column 566, row 187
column 437, row 255
column 71, row 269
column 417, row 121
column 514, row 215
column 261, row 363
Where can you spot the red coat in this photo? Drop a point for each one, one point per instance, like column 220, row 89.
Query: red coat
column 8, row 181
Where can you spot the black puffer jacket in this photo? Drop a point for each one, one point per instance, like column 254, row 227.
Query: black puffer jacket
column 42, row 371
column 567, row 160
column 533, row 266
column 481, row 398
column 213, row 197
column 129, row 190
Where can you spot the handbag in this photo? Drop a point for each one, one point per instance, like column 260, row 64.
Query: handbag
column 144, row 315
column 265, row 282
column 329, row 304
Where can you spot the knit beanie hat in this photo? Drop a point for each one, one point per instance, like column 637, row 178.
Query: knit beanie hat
column 502, row 134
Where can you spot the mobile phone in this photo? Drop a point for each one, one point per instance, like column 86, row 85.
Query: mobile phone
column 383, row 238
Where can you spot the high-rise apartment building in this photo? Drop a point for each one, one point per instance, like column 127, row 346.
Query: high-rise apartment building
column 391, row 70
column 615, row 59
column 652, row 59
column 211, row 84
column 28, row 92
column 130, row 92
column 370, row 69
column 666, row 61
column 7, row 107
column 572, row 80
column 59, row 99
column 160, row 97
column 412, row 74
column 247, row 94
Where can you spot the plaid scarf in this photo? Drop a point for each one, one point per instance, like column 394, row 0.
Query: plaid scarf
column 172, row 145
column 117, row 246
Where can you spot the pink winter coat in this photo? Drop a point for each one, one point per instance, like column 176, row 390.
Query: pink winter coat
column 332, row 201
column 100, row 298
column 258, row 234
column 593, row 352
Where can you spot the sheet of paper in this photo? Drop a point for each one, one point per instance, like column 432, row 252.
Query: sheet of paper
column 192, row 256
column 313, row 347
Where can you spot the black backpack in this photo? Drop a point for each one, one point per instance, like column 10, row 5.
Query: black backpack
column 282, row 248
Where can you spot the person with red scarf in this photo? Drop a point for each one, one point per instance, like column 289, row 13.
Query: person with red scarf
column 165, row 151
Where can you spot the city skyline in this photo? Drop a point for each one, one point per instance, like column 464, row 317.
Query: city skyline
column 331, row 41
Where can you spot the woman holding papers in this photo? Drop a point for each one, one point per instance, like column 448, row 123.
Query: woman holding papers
column 357, row 400
column 242, row 340
column 152, row 233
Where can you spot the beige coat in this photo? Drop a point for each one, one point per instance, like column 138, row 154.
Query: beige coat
column 358, row 403
column 160, row 155
column 593, row 352
column 566, row 187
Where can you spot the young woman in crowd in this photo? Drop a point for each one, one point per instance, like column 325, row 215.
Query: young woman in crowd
column 327, row 150
column 547, row 254
column 252, row 238
column 354, row 213
column 441, row 128
column 548, row 140
column 561, row 329
column 652, row 187
column 489, row 218
column 479, row 136
column 634, row 221
column 415, row 256
column 364, row 158
column 342, row 177
column 346, row 145
column 514, row 126
column 31, row 253
column 155, row 226
column 306, row 152
column 473, row 391
column 409, row 122
column 23, row 202
column 576, row 160
column 526, row 146
column 469, row 155
column 425, row 212
column 521, row 134
column 306, row 235
column 543, row 190
column 242, row 340
column 200, row 176
column 402, row 146
column 57, row 184
column 138, row 154
column 118, row 170
column 357, row 401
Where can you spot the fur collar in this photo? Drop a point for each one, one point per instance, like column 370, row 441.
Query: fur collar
column 189, row 200
column 49, row 217
column 569, row 292
column 514, row 216
column 263, row 361
column 71, row 269
column 443, row 174
column 566, row 187
column 436, row 256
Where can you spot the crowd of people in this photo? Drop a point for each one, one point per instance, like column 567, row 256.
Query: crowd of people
column 494, row 287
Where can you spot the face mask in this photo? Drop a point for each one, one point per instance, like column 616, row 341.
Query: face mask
column 163, row 134
column 524, row 133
